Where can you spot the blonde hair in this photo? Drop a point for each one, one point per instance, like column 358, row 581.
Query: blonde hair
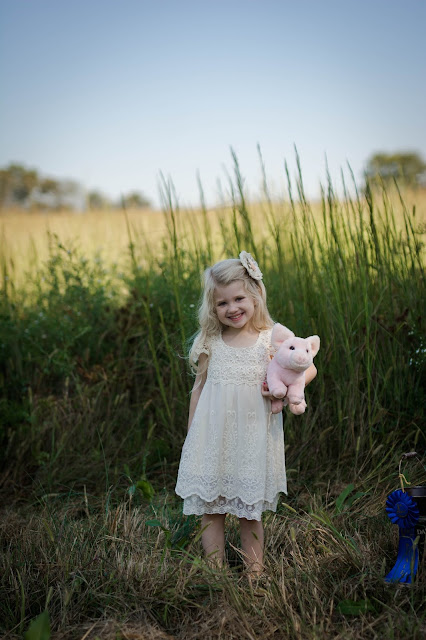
column 222, row 274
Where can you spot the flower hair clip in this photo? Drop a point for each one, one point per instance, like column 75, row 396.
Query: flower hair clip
column 250, row 264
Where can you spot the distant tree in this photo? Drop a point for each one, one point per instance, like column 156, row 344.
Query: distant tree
column 70, row 195
column 47, row 193
column 97, row 200
column 16, row 185
column 135, row 200
column 21, row 187
column 48, row 185
column 408, row 169
column 5, row 187
column 58, row 194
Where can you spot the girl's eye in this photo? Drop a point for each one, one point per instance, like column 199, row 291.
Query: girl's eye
column 220, row 304
column 292, row 348
column 239, row 298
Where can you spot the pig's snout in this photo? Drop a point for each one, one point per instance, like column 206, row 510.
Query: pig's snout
column 301, row 360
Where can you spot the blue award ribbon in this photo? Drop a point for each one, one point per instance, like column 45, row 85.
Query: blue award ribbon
column 407, row 559
column 403, row 511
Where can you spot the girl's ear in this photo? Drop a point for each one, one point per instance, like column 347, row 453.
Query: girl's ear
column 315, row 344
column 280, row 333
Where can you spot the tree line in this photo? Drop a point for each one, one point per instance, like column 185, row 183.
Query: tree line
column 25, row 188
column 407, row 169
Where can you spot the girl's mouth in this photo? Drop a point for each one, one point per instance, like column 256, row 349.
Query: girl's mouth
column 236, row 318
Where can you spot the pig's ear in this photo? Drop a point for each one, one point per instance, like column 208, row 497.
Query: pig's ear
column 280, row 333
column 315, row 344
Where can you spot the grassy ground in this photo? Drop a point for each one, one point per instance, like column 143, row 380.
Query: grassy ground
column 111, row 569
column 94, row 397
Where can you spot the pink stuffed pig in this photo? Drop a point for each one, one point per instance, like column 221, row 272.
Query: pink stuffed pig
column 286, row 371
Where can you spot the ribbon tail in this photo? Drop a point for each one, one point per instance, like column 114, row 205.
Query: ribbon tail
column 407, row 559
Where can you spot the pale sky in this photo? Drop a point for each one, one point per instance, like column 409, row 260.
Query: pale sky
column 110, row 93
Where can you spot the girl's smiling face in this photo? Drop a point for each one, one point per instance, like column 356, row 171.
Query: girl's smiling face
column 234, row 306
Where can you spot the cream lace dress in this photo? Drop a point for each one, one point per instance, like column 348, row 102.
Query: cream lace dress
column 233, row 456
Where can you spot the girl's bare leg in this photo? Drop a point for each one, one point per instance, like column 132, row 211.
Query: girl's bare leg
column 252, row 538
column 213, row 537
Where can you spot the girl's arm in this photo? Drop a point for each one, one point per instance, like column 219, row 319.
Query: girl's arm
column 310, row 374
column 200, row 380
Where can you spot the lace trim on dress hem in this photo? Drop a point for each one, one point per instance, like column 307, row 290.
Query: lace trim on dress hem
column 197, row 495
column 192, row 512
column 194, row 505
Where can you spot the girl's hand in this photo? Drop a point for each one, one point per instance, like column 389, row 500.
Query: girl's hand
column 266, row 392
column 310, row 374
column 277, row 403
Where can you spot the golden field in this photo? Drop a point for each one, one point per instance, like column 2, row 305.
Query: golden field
column 24, row 235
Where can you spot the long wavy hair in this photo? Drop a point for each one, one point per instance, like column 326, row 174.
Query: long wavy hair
column 224, row 273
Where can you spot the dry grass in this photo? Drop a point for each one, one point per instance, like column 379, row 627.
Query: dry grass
column 106, row 573
column 24, row 236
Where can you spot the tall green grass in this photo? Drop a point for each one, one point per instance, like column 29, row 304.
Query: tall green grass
column 94, row 397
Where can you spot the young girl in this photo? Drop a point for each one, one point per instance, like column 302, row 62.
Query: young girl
column 233, row 456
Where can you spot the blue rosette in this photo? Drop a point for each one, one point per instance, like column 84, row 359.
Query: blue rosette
column 402, row 510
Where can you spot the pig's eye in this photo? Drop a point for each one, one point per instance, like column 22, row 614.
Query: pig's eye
column 307, row 350
column 292, row 348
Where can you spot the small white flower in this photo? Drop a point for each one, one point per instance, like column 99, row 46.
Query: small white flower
column 191, row 306
column 251, row 265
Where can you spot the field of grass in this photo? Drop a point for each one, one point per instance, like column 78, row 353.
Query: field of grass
column 95, row 321
column 26, row 236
